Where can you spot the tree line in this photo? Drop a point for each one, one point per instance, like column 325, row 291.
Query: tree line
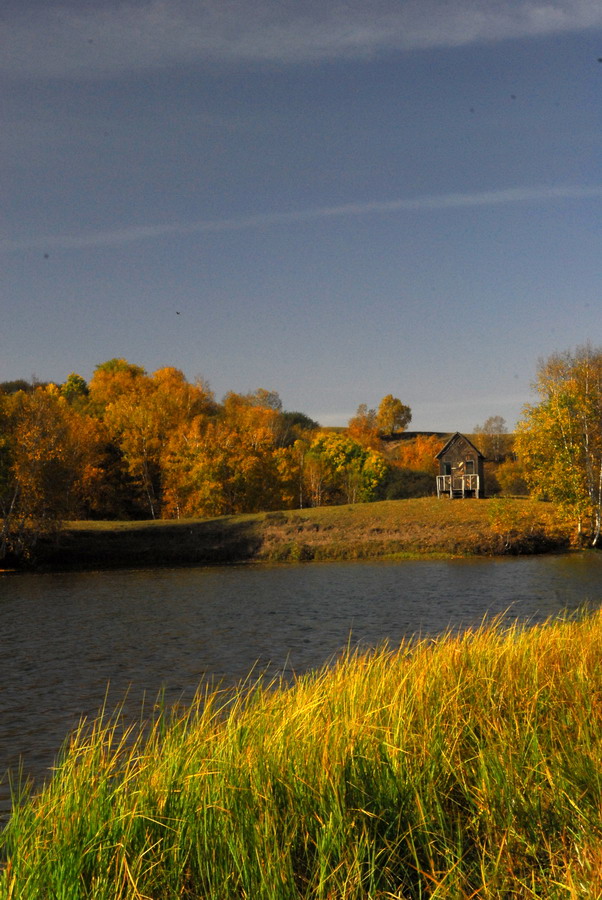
column 133, row 445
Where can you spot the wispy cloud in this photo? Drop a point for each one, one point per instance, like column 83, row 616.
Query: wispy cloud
column 107, row 39
column 120, row 236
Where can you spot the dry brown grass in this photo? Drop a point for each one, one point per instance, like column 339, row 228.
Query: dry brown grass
column 419, row 527
column 389, row 529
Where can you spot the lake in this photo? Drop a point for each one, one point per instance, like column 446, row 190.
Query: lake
column 71, row 641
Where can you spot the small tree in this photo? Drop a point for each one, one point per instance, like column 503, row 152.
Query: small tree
column 492, row 438
column 363, row 428
column 75, row 390
column 392, row 416
column 341, row 470
column 511, row 478
column 268, row 399
column 291, row 426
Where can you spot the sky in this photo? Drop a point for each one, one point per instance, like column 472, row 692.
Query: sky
column 332, row 200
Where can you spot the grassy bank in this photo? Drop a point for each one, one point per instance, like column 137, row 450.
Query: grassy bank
column 396, row 528
column 468, row 767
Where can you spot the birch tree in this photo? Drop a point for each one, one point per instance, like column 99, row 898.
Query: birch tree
column 559, row 439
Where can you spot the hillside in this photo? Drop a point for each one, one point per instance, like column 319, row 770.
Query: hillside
column 398, row 528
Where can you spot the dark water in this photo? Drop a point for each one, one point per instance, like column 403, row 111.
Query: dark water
column 68, row 641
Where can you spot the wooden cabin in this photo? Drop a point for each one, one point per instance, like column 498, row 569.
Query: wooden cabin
column 461, row 471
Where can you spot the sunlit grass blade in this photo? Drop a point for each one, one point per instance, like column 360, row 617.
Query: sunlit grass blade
column 466, row 767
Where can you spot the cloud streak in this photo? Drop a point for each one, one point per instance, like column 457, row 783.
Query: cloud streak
column 441, row 202
column 111, row 39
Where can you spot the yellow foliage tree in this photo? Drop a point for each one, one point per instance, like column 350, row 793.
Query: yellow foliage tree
column 48, row 467
column 559, row 440
column 226, row 465
column 141, row 414
column 392, row 416
column 339, row 469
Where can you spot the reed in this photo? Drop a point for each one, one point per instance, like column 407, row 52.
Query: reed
column 470, row 766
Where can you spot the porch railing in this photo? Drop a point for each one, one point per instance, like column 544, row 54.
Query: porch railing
column 458, row 485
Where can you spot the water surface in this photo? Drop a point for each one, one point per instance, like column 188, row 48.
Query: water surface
column 70, row 641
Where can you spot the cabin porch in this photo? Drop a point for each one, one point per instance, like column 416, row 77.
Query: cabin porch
column 458, row 486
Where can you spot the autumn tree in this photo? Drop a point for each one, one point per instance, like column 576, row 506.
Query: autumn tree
column 75, row 390
column 294, row 432
column 141, row 413
column 318, row 477
column 267, row 399
column 227, row 464
column 492, row 438
column 9, row 488
column 412, row 467
column 130, row 444
column 13, row 387
column 510, row 476
column 122, row 395
column 392, row 416
column 48, row 457
column 559, row 439
column 339, row 469
column 46, row 466
column 249, row 457
column 291, row 426
column 363, row 427
column 112, row 379
column 419, row 454
column 291, row 460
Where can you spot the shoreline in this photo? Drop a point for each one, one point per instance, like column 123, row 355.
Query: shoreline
column 400, row 529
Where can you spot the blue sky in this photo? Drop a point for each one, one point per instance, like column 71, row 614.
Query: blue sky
column 335, row 201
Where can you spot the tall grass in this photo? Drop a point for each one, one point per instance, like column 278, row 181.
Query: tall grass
column 466, row 767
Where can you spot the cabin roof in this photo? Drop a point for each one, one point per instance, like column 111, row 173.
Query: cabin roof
column 453, row 440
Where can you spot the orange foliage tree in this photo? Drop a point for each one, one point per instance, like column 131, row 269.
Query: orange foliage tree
column 141, row 413
column 419, row 453
column 133, row 445
column 225, row 465
column 363, row 428
column 47, row 466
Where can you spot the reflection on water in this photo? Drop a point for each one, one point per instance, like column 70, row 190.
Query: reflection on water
column 68, row 641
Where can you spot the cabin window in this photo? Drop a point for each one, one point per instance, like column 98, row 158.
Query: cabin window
column 447, row 468
column 470, row 467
